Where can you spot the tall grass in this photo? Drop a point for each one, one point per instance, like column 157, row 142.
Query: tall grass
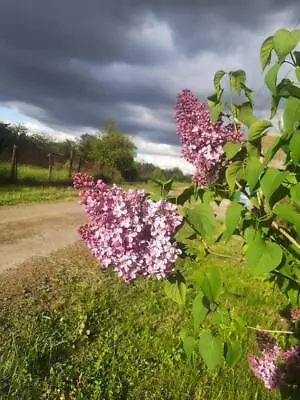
column 79, row 333
column 34, row 174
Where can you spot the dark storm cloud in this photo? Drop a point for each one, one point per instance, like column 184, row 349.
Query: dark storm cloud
column 60, row 55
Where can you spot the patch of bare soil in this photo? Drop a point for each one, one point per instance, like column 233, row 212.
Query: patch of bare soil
column 28, row 231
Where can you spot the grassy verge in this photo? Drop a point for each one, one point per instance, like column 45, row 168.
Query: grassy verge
column 31, row 174
column 20, row 194
column 70, row 331
column 15, row 194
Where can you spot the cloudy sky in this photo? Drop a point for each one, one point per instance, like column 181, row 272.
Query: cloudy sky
column 67, row 66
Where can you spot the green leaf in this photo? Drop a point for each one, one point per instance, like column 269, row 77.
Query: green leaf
column 245, row 114
column 291, row 115
column 189, row 345
column 215, row 111
column 232, row 218
column 231, row 149
column 297, row 72
column 294, row 147
column 221, row 316
column 295, row 193
column 208, row 196
column 284, row 42
column 185, row 195
column 211, row 349
column 215, row 279
column 200, row 309
column 204, row 284
column 286, row 89
column 262, row 256
column 271, row 78
column 234, row 353
column 217, row 80
column 258, row 129
column 167, row 186
column 272, row 150
column 253, row 170
column 296, row 35
column 215, row 107
column 271, row 181
column 202, row 219
column 288, row 213
column 297, row 57
column 248, row 93
column 274, row 105
column 237, row 79
column 232, row 173
column 265, row 52
column 175, row 289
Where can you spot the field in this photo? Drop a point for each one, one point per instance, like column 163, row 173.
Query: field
column 33, row 185
column 71, row 331
column 30, row 174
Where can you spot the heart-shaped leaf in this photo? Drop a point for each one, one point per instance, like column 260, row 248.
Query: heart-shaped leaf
column 211, row 349
column 262, row 255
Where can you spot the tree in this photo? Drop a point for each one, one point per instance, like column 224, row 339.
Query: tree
column 111, row 148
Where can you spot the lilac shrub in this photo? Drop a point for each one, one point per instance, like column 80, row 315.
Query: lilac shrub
column 128, row 231
column 202, row 140
column 276, row 367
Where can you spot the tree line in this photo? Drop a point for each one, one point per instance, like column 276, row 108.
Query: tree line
column 111, row 152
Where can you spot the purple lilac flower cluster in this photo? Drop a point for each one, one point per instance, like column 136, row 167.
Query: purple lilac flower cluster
column 128, row 232
column 295, row 314
column 202, row 140
column 276, row 367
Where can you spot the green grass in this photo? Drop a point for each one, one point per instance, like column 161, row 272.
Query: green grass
column 79, row 333
column 15, row 194
column 19, row 194
column 34, row 174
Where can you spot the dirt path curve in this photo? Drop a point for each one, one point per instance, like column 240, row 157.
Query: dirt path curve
column 37, row 230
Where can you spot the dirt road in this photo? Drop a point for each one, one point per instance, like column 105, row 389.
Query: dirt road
column 27, row 231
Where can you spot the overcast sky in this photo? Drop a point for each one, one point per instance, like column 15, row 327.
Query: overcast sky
column 67, row 66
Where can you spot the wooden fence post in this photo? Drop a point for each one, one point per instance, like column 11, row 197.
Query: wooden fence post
column 50, row 156
column 71, row 164
column 14, row 165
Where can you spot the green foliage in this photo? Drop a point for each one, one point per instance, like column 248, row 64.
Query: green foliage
column 262, row 255
column 271, row 78
column 258, row 129
column 295, row 193
column 266, row 52
column 294, row 147
column 231, row 149
column 253, row 171
column 284, row 42
column 232, row 219
column 245, row 114
column 289, row 213
column 269, row 221
column 291, row 115
column 201, row 217
column 175, row 289
column 200, row 309
column 233, row 173
column 211, row 349
column 234, row 353
column 271, row 181
column 80, row 333
column 110, row 148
